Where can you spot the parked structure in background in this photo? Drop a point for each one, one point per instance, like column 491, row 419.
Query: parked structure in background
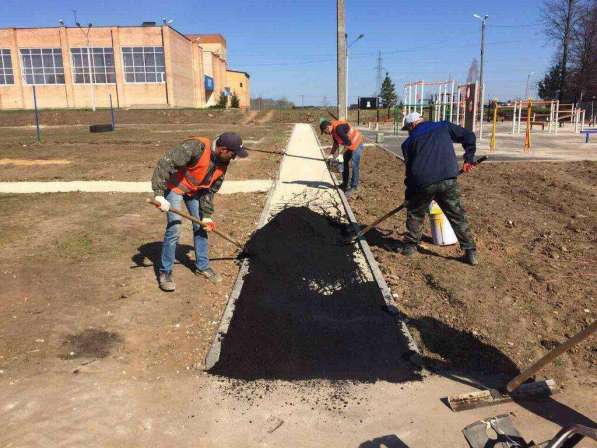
column 140, row 66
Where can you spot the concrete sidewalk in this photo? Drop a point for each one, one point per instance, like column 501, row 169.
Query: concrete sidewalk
column 109, row 186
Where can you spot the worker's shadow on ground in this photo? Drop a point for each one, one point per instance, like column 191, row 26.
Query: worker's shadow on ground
column 306, row 310
column 463, row 357
column 389, row 441
column 149, row 254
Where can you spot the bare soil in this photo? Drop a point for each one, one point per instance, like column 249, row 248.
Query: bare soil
column 81, row 283
column 128, row 154
column 536, row 227
column 160, row 116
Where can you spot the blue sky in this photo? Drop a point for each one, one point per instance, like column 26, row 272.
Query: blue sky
column 289, row 46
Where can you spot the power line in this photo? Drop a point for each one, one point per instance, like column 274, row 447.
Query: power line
column 378, row 77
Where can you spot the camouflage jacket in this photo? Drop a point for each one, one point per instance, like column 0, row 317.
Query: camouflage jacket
column 182, row 155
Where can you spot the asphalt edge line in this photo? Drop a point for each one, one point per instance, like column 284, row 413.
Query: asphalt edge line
column 213, row 356
column 415, row 354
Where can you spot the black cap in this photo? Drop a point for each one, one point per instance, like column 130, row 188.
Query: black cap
column 323, row 125
column 233, row 142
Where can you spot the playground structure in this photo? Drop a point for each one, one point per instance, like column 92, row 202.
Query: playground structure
column 446, row 101
column 557, row 116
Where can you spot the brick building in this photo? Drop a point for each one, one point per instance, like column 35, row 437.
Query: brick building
column 139, row 66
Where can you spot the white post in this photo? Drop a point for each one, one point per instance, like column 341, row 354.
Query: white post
column 443, row 102
column 458, row 107
column 422, row 96
column 519, row 116
column 582, row 120
column 514, row 118
column 557, row 120
column 549, row 129
column 452, row 102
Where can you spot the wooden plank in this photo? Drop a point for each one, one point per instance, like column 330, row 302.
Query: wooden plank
column 492, row 397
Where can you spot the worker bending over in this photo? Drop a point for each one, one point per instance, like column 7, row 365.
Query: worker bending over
column 431, row 172
column 192, row 173
column 344, row 134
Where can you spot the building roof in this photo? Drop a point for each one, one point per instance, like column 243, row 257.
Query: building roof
column 208, row 38
column 238, row 71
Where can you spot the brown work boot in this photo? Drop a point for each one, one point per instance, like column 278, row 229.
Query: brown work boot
column 210, row 274
column 166, row 280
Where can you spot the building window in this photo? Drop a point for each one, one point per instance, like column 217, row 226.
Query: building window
column 6, row 73
column 42, row 65
column 102, row 64
column 241, row 84
column 143, row 64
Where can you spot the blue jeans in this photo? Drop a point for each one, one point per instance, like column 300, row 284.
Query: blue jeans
column 355, row 156
column 172, row 234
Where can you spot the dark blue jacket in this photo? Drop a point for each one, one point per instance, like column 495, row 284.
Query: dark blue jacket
column 429, row 153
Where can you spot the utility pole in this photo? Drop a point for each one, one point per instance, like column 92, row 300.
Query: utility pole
column 341, row 49
column 302, row 100
column 481, row 83
column 526, row 89
column 379, row 75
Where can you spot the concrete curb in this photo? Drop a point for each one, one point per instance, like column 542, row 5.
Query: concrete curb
column 415, row 354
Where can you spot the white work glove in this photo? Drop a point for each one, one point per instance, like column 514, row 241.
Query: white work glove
column 208, row 224
column 164, row 204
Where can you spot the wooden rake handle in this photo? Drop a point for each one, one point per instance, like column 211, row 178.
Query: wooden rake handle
column 550, row 356
column 197, row 221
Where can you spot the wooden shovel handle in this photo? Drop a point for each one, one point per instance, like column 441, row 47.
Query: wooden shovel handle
column 550, row 356
column 197, row 221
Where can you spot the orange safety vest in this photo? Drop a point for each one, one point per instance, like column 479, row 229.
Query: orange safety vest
column 353, row 134
column 190, row 179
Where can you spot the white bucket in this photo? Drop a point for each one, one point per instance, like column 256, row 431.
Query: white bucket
column 441, row 230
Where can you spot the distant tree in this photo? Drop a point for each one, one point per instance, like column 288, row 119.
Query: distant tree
column 269, row 103
column 222, row 100
column 560, row 19
column 388, row 93
column 583, row 52
column 473, row 71
column 234, row 101
column 549, row 87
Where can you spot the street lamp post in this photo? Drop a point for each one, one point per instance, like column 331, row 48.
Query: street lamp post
column 482, row 86
column 89, row 64
column 347, row 54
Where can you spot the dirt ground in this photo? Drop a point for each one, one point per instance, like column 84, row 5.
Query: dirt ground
column 160, row 116
column 535, row 226
column 79, row 284
column 130, row 153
